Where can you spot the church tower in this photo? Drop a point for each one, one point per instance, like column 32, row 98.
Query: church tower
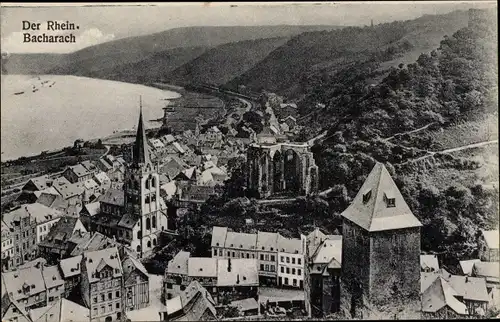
column 143, row 204
column 380, row 253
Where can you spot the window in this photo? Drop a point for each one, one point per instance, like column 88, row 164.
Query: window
column 103, row 309
column 220, row 252
column 299, row 272
column 288, row 270
column 272, row 258
column 110, row 307
column 288, row 259
column 51, row 298
column 266, row 268
column 248, row 255
column 293, row 260
column 148, row 223
column 139, row 234
column 117, row 305
column 286, row 280
column 261, row 267
column 94, row 299
column 110, row 296
column 261, row 257
column 228, row 254
column 37, row 297
column 94, row 312
column 272, row 268
column 234, row 255
column 215, row 252
column 266, row 257
column 154, row 221
column 149, row 244
column 282, row 269
column 103, row 297
column 293, row 271
column 299, row 261
column 294, row 282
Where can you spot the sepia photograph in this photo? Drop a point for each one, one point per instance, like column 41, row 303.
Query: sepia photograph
column 266, row 161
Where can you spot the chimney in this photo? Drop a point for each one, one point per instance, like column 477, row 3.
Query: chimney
column 229, row 264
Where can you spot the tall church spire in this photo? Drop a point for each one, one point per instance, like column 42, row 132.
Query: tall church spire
column 141, row 153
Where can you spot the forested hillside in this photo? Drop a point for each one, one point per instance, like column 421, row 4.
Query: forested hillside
column 222, row 63
column 287, row 69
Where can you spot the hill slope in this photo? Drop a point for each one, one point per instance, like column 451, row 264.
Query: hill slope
column 221, row 64
column 132, row 49
column 326, row 51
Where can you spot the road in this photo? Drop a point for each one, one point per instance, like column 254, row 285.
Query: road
column 460, row 148
column 410, row 132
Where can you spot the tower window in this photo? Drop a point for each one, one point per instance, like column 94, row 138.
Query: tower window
column 390, row 200
column 154, row 222
column 367, row 195
column 148, row 223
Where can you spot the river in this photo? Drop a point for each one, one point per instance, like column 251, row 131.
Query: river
column 53, row 110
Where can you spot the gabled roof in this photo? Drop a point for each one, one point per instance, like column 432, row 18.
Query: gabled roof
column 492, row 238
column 98, row 260
column 369, row 209
column 429, row 262
column 467, row 265
column 62, row 231
column 93, row 243
column 29, row 279
column 240, row 240
column 70, row 266
column 61, row 311
column 289, row 245
column 92, row 208
column 89, row 165
column 131, row 264
column 179, row 264
column 267, row 241
column 487, row 269
column 39, row 182
column 79, row 170
column 202, row 267
column 330, row 249
column 52, row 200
column 440, row 294
column 70, row 190
column 38, row 212
column 114, row 197
column 218, row 236
column 243, row 272
column 8, row 312
column 102, row 178
column 52, row 276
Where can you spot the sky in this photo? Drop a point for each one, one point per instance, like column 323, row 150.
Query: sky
column 98, row 23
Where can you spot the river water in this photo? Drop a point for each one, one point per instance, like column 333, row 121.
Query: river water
column 53, row 110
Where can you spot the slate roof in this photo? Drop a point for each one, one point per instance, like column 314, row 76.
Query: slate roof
column 179, row 264
column 61, row 311
column 369, row 210
column 202, row 267
column 52, row 201
column 289, row 245
column 218, row 236
column 243, row 272
column 489, row 270
column 39, row 182
column 440, row 294
column 92, row 208
column 132, row 265
column 97, row 260
column 70, row 266
column 102, row 178
column 194, row 302
column 93, row 243
column 38, row 212
column 71, row 190
column 29, row 278
column 79, row 170
column 429, row 262
column 267, row 241
column 52, row 277
column 330, row 249
column 113, row 197
column 467, row 265
column 240, row 240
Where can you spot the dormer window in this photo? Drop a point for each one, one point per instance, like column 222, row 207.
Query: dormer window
column 390, row 200
column 367, row 195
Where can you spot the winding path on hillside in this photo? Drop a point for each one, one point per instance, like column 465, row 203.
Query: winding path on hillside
column 460, row 148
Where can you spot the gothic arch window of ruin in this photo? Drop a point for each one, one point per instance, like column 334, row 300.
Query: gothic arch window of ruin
column 148, row 223
column 314, row 180
column 277, row 171
column 154, row 221
column 154, row 241
column 291, row 165
column 149, row 244
column 138, row 248
column 153, row 182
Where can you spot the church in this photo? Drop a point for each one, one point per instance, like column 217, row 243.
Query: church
column 137, row 215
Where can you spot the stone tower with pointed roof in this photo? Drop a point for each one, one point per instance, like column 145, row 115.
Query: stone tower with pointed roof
column 145, row 211
column 380, row 252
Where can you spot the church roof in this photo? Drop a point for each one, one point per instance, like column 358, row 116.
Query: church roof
column 141, row 152
column 379, row 205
